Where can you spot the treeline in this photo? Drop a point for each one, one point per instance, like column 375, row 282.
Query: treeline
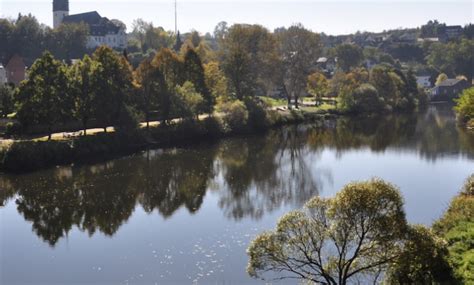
column 28, row 38
column 105, row 90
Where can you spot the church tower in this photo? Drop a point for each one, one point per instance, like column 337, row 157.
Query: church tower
column 60, row 10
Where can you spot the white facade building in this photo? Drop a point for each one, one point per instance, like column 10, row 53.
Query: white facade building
column 423, row 81
column 3, row 75
column 102, row 30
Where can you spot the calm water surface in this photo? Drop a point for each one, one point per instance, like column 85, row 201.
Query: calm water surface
column 186, row 216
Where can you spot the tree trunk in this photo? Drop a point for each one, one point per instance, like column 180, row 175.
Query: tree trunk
column 105, row 129
column 50, row 133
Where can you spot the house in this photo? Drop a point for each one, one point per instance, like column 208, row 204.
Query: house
column 3, row 75
column 15, row 70
column 423, row 81
column 449, row 89
column 326, row 65
column 450, row 32
column 102, row 30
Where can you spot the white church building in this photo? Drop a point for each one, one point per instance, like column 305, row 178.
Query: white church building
column 102, row 31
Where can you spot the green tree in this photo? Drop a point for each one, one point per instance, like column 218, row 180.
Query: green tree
column 299, row 48
column 189, row 102
column 171, row 67
column 465, row 106
column 194, row 72
column 82, row 82
column 113, row 84
column 6, row 100
column 68, row 41
column 334, row 240
column 388, row 83
column 248, row 56
column 348, row 56
column 423, row 259
column 44, row 97
column 457, row 227
column 216, row 81
column 151, row 83
column 318, row 86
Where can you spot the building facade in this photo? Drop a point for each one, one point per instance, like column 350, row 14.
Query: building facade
column 3, row 75
column 449, row 89
column 423, row 81
column 15, row 70
column 102, row 31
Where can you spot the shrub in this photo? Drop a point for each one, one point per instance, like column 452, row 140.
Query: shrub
column 465, row 106
column 236, row 115
column 13, row 128
column 366, row 99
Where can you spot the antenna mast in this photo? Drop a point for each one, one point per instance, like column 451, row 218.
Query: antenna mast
column 175, row 17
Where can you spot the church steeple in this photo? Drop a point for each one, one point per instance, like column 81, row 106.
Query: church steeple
column 60, row 10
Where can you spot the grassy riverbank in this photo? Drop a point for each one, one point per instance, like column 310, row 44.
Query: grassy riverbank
column 30, row 155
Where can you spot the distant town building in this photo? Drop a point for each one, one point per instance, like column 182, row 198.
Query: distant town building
column 450, row 33
column 15, row 70
column 3, row 75
column 102, row 30
column 423, row 81
column 449, row 89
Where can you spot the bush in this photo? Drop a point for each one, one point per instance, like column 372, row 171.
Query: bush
column 257, row 113
column 13, row 128
column 465, row 106
column 457, row 227
column 366, row 99
column 236, row 115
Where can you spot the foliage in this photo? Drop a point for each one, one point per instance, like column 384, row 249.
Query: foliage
column 236, row 114
column 465, row 105
column 334, row 240
column 28, row 38
column 216, row 81
column 318, row 86
column 194, row 73
column 298, row 48
column 43, row 97
column 248, row 55
column 114, row 86
column 6, row 100
column 366, row 100
column 82, row 83
column 189, row 102
column 348, row 56
column 453, row 58
column 441, row 77
column 457, row 227
column 151, row 87
column 423, row 259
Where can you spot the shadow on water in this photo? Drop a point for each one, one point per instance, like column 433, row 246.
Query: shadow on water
column 250, row 176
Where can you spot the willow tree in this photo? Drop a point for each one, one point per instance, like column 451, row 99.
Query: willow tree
column 334, row 240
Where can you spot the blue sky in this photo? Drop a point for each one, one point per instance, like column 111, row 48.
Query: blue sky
column 331, row 17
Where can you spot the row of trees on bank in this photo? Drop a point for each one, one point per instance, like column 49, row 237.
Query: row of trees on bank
column 105, row 89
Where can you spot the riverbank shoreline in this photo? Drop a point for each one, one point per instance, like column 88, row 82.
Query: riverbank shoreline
column 28, row 156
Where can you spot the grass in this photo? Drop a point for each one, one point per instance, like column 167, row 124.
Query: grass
column 274, row 102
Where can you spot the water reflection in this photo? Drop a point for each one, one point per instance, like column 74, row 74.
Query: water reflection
column 251, row 176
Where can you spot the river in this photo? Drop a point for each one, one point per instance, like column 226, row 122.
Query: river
column 184, row 216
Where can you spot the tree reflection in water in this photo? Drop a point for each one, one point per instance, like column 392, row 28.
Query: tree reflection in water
column 253, row 175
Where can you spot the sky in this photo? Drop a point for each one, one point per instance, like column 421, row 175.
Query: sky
column 331, row 17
